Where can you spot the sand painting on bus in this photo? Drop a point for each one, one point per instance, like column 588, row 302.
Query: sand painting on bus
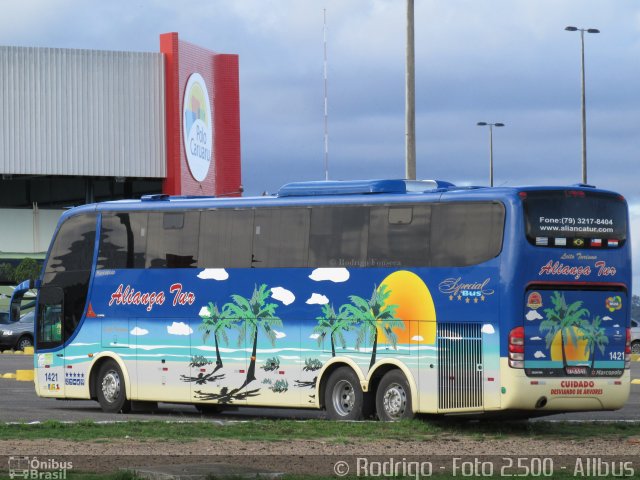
column 203, row 335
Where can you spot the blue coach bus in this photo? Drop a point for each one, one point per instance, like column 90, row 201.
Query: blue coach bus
column 386, row 297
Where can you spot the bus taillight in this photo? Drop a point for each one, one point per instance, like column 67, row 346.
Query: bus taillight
column 627, row 350
column 516, row 348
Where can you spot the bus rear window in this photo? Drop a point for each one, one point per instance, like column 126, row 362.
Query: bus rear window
column 575, row 219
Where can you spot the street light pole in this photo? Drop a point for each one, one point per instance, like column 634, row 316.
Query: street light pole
column 584, row 102
column 490, row 125
column 410, row 99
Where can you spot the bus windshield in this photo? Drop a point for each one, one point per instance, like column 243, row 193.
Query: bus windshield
column 587, row 219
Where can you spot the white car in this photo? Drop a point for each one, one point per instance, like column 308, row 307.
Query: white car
column 635, row 336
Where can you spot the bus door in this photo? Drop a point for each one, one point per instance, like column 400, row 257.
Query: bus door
column 50, row 352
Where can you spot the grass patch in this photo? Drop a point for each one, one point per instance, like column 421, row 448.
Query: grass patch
column 338, row 432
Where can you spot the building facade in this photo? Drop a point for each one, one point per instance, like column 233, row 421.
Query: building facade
column 79, row 126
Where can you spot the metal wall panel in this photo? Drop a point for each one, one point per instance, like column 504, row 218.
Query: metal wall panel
column 81, row 112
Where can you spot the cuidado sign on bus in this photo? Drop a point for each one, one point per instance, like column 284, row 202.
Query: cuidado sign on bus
column 197, row 127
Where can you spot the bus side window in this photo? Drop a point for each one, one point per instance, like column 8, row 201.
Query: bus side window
column 173, row 240
column 226, row 238
column 399, row 236
column 464, row 234
column 338, row 236
column 123, row 240
column 281, row 237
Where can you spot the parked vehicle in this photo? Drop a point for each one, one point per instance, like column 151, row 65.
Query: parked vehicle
column 17, row 335
column 635, row 336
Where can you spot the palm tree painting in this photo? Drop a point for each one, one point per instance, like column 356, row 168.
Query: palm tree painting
column 595, row 337
column 332, row 325
column 254, row 314
column 373, row 316
column 564, row 319
column 216, row 323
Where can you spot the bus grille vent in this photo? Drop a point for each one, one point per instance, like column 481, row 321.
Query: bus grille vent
column 459, row 366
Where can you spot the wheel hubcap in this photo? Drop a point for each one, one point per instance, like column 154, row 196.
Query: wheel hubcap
column 343, row 398
column 111, row 386
column 395, row 401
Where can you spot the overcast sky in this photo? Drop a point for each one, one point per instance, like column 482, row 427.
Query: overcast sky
column 504, row 61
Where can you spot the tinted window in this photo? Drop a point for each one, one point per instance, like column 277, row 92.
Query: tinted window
column 399, row 236
column 338, row 236
column 281, row 237
column 225, row 239
column 556, row 216
column 464, row 234
column 173, row 240
column 69, row 266
column 123, row 240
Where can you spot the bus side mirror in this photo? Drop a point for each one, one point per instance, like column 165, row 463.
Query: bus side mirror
column 16, row 299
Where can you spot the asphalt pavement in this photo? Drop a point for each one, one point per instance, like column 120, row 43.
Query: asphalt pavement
column 19, row 403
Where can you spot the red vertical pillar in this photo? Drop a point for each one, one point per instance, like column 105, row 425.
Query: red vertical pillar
column 169, row 47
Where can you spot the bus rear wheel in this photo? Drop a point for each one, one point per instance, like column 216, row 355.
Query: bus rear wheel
column 393, row 397
column 343, row 396
column 110, row 388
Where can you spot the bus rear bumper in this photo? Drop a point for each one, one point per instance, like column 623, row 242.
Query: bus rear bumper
column 520, row 392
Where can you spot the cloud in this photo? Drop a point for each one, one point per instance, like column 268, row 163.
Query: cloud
column 539, row 354
column 417, row 338
column 607, row 318
column 533, row 315
column 179, row 328
column 317, row 299
column 314, row 336
column 139, row 331
column 213, row 274
column 616, row 326
column 283, row 295
column 488, row 329
column 279, row 334
column 535, row 339
column 336, row 275
column 204, row 312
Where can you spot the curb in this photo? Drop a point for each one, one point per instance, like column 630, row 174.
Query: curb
column 27, row 351
column 19, row 375
column 200, row 472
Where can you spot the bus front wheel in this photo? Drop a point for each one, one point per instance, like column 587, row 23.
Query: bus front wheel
column 393, row 397
column 110, row 388
column 343, row 396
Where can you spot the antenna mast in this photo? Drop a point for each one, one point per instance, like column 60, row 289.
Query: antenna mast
column 326, row 112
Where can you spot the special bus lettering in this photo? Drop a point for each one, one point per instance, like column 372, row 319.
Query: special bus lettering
column 453, row 286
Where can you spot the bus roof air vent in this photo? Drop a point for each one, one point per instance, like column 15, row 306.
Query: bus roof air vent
column 156, row 197
column 360, row 187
